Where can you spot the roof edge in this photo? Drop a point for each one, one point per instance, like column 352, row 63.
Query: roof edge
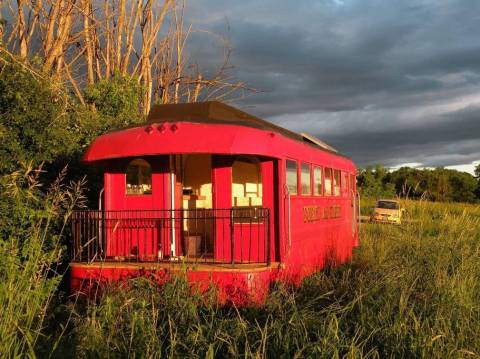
column 216, row 112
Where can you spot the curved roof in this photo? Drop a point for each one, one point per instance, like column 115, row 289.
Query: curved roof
column 212, row 112
column 210, row 127
column 216, row 112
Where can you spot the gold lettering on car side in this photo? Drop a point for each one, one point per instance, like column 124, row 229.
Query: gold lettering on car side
column 311, row 213
column 315, row 213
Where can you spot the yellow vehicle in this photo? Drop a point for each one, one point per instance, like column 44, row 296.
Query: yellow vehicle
column 387, row 211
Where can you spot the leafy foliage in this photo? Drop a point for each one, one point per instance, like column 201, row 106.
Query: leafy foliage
column 31, row 253
column 437, row 185
column 42, row 129
column 116, row 99
column 374, row 182
column 35, row 123
column 477, row 175
column 42, row 124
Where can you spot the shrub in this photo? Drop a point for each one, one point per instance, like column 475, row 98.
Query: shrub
column 116, row 99
column 35, row 125
column 31, row 252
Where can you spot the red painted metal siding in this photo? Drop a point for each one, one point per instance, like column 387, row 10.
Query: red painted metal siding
column 238, row 287
column 116, row 199
column 115, row 186
column 207, row 138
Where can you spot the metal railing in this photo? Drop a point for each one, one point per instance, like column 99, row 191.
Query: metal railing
column 234, row 235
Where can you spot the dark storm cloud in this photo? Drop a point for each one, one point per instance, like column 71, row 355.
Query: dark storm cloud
column 451, row 138
column 384, row 81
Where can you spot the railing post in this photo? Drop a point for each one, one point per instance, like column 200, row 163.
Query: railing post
column 232, row 252
column 73, row 252
column 93, row 234
column 103, row 235
column 268, row 239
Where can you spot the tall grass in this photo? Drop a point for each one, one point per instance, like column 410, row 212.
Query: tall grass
column 32, row 225
column 411, row 291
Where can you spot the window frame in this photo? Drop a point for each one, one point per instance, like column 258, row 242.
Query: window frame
column 330, row 192
column 334, row 183
column 259, row 183
column 296, row 176
column 346, row 188
column 130, row 163
column 353, row 182
column 322, row 185
column 310, row 189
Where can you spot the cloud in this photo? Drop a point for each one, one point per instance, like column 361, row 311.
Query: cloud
column 384, row 82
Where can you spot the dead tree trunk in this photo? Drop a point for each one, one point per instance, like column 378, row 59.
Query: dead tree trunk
column 22, row 31
column 87, row 35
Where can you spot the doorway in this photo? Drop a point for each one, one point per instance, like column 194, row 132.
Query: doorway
column 194, row 175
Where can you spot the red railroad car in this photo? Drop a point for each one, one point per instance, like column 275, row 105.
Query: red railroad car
column 236, row 200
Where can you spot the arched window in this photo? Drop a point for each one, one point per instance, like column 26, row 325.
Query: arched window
column 246, row 183
column 139, row 178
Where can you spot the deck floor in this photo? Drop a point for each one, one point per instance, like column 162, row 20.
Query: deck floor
column 217, row 267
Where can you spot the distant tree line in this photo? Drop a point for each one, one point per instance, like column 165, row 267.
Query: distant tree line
column 437, row 184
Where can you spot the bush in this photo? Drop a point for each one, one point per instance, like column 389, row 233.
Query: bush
column 36, row 125
column 43, row 124
column 31, row 253
column 117, row 99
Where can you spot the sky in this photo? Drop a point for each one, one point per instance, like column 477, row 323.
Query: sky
column 387, row 82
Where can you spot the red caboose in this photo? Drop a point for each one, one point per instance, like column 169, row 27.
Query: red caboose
column 234, row 199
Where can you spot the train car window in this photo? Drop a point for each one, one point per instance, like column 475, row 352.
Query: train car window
column 328, row 181
column 346, row 185
column 138, row 178
column 292, row 180
column 337, row 189
column 246, row 184
column 317, row 181
column 305, row 179
column 353, row 181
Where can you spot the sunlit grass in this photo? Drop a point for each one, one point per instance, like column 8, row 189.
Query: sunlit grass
column 410, row 291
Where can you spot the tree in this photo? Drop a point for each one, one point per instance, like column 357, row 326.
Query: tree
column 438, row 184
column 35, row 125
column 85, row 42
column 477, row 175
column 118, row 98
column 441, row 186
column 42, row 124
column 373, row 182
column 463, row 185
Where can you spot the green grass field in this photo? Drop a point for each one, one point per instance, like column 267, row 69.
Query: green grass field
column 411, row 291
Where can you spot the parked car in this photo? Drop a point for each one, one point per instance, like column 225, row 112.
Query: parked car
column 387, row 211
